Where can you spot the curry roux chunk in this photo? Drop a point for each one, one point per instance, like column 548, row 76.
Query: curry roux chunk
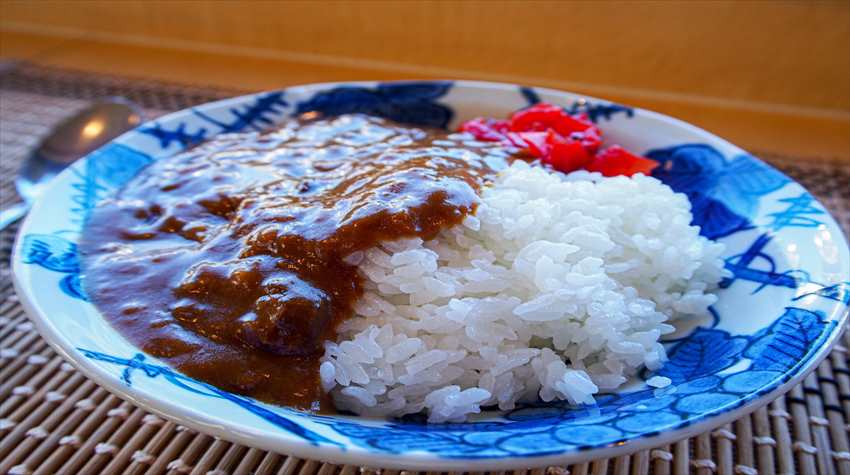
column 227, row 260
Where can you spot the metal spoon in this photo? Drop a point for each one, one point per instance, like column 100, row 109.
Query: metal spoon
column 71, row 140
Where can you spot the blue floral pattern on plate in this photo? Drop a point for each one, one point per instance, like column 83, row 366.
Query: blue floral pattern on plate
column 724, row 192
column 411, row 102
column 534, row 430
column 715, row 367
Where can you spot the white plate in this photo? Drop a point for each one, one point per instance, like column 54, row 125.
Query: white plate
column 775, row 320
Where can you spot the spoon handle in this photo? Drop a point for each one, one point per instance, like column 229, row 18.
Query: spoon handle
column 12, row 214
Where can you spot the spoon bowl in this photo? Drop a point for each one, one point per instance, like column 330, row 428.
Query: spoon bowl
column 69, row 141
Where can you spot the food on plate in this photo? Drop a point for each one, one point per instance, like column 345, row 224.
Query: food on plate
column 564, row 142
column 354, row 263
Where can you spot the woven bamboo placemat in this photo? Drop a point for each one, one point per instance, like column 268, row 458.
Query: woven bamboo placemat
column 54, row 420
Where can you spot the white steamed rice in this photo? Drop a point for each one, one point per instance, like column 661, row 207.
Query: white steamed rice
column 559, row 287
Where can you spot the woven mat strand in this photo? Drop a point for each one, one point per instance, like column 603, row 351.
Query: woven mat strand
column 54, row 420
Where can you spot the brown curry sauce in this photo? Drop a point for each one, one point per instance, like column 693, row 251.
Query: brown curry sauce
column 227, row 260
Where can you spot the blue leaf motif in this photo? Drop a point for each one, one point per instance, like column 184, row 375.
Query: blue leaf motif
column 72, row 286
column 706, row 351
column 714, row 218
column 788, row 341
column 399, row 438
column 594, row 110
column 412, row 103
column 741, row 266
column 179, row 135
column 688, row 168
column 51, row 252
column 753, row 176
column 839, row 292
column 115, row 164
column 743, row 181
column 110, row 166
column 138, row 362
column 724, row 194
column 57, row 254
column 599, row 110
column 737, row 183
column 693, row 169
column 800, row 213
column 700, row 167
column 257, row 115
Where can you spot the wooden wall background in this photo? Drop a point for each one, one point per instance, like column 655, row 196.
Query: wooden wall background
column 765, row 73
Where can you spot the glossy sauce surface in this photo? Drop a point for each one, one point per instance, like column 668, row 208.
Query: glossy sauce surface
column 227, row 260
